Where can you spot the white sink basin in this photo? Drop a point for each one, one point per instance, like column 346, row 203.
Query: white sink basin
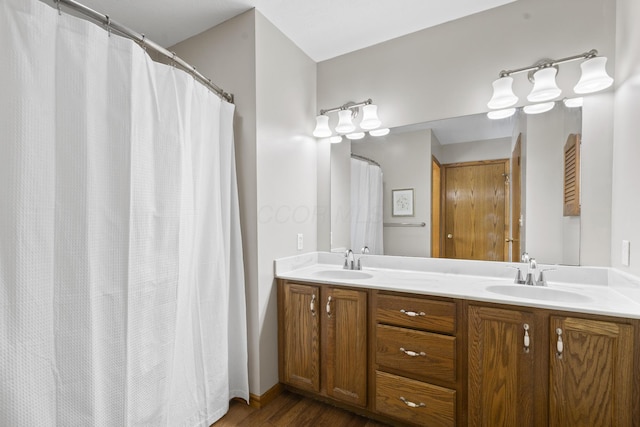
column 342, row 274
column 538, row 293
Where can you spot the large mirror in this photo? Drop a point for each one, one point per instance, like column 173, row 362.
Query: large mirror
column 465, row 187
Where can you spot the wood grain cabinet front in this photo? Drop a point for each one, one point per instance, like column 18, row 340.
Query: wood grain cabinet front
column 535, row 368
column 416, row 359
column 416, row 353
column 323, row 340
column 415, row 402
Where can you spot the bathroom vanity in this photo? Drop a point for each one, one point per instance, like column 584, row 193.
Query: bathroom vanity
column 446, row 343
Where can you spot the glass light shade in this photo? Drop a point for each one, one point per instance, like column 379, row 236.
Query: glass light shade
column 503, row 95
column 345, row 124
column 370, row 118
column 356, row 135
column 573, row 102
column 544, row 86
column 501, row 114
column 322, row 127
column 335, row 139
column 379, row 132
column 594, row 76
column 539, row 108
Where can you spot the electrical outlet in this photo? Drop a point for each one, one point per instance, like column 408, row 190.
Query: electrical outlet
column 625, row 252
column 300, row 241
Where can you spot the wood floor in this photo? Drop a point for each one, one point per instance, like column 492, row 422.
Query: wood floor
column 289, row 409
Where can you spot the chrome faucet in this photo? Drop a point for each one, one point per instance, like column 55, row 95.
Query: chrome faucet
column 531, row 281
column 348, row 263
column 531, row 275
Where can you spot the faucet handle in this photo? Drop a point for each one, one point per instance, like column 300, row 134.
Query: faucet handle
column 518, row 279
column 365, row 250
column 525, row 257
column 542, row 279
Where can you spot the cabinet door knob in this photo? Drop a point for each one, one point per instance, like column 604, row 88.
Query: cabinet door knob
column 312, row 305
column 526, row 337
column 412, row 313
column 449, row 236
column 412, row 353
column 329, row 307
column 411, row 404
column 559, row 344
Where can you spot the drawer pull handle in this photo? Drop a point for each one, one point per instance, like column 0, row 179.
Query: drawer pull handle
column 411, row 404
column 412, row 353
column 412, row 313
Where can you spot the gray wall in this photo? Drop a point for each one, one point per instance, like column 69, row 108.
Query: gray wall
column 626, row 149
column 446, row 71
column 406, row 163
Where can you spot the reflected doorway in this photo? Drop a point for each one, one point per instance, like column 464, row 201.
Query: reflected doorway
column 436, row 207
column 476, row 210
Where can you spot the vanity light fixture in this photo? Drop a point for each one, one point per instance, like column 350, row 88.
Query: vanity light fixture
column 336, row 139
column 543, row 73
column 346, row 126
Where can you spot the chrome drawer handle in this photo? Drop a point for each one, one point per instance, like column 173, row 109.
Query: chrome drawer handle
column 412, row 313
column 411, row 404
column 412, row 353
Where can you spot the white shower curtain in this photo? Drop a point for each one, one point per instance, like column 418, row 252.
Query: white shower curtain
column 121, row 278
column 366, row 207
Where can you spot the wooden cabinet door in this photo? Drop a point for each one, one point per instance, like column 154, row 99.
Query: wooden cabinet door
column 346, row 345
column 300, row 336
column 501, row 367
column 591, row 378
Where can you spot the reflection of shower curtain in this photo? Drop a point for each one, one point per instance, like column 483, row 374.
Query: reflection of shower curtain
column 366, row 207
column 121, row 279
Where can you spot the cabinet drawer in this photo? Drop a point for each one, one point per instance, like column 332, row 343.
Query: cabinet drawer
column 416, row 352
column 414, row 401
column 420, row 313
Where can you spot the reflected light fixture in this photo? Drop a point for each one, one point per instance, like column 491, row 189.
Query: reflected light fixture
column 355, row 135
column 379, row 132
column 336, row 139
column 573, row 102
column 346, row 114
column 538, row 108
column 501, row 114
column 543, row 73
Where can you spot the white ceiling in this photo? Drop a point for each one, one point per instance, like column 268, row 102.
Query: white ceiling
column 323, row 29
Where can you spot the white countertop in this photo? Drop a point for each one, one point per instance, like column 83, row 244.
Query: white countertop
column 602, row 291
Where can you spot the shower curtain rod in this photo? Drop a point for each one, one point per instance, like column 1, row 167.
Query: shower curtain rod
column 366, row 159
column 144, row 42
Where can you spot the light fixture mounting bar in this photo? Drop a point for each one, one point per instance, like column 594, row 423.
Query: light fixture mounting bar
column 347, row 106
column 550, row 63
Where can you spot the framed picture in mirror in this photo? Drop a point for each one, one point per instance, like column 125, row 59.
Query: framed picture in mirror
column 402, row 202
